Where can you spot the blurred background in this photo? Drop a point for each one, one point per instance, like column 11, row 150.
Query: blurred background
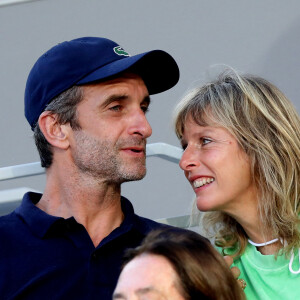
column 258, row 36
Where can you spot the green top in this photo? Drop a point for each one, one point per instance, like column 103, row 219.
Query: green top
column 268, row 278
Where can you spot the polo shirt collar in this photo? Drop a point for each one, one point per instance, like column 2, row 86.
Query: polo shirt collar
column 139, row 225
column 129, row 224
column 40, row 222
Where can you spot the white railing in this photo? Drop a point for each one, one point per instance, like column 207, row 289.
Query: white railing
column 162, row 150
column 11, row 2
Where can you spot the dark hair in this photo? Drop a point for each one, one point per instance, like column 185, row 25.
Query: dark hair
column 64, row 106
column 202, row 271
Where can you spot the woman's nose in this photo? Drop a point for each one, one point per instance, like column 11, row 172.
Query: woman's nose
column 189, row 158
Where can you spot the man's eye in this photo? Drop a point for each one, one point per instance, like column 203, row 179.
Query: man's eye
column 116, row 108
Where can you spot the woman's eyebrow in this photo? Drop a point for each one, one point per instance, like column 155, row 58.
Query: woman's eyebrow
column 147, row 290
column 182, row 142
column 119, row 296
column 139, row 292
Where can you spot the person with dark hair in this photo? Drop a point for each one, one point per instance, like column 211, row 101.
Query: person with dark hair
column 241, row 142
column 86, row 101
column 177, row 265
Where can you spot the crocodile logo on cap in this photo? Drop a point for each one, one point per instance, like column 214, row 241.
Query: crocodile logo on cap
column 120, row 51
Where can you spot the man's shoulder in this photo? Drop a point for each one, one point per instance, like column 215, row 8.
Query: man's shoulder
column 150, row 225
column 142, row 224
column 8, row 221
column 10, row 230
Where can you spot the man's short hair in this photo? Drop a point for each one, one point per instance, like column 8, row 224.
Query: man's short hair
column 65, row 107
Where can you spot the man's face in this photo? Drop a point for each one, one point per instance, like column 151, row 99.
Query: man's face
column 111, row 143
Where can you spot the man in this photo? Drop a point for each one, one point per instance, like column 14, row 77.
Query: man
column 86, row 101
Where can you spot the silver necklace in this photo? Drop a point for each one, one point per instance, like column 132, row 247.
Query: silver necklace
column 262, row 244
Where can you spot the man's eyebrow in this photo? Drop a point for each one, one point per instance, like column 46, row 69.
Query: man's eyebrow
column 121, row 97
column 114, row 97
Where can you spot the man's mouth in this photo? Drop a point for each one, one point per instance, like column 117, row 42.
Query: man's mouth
column 202, row 181
column 137, row 150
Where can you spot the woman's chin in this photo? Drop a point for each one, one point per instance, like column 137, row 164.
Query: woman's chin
column 203, row 208
column 205, row 205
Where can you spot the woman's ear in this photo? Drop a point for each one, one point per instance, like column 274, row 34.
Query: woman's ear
column 55, row 133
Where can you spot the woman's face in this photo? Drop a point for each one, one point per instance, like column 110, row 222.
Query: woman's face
column 217, row 168
column 148, row 277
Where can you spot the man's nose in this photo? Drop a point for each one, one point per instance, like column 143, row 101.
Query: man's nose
column 140, row 125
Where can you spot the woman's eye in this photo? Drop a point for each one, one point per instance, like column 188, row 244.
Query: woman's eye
column 145, row 109
column 205, row 141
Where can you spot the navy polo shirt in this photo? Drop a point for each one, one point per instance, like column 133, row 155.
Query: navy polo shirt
column 47, row 257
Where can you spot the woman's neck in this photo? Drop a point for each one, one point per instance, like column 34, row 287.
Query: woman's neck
column 256, row 230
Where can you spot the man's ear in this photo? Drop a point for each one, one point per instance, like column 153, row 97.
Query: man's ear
column 55, row 133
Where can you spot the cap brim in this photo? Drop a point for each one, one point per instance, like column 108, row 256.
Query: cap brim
column 157, row 68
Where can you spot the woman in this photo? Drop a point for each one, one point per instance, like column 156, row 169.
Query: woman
column 241, row 141
column 177, row 265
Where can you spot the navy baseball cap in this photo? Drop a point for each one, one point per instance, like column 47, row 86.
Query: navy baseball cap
column 88, row 59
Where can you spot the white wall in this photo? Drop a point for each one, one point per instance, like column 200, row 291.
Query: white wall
column 258, row 36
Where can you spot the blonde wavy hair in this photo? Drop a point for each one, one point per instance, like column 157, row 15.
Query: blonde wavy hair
column 267, row 127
